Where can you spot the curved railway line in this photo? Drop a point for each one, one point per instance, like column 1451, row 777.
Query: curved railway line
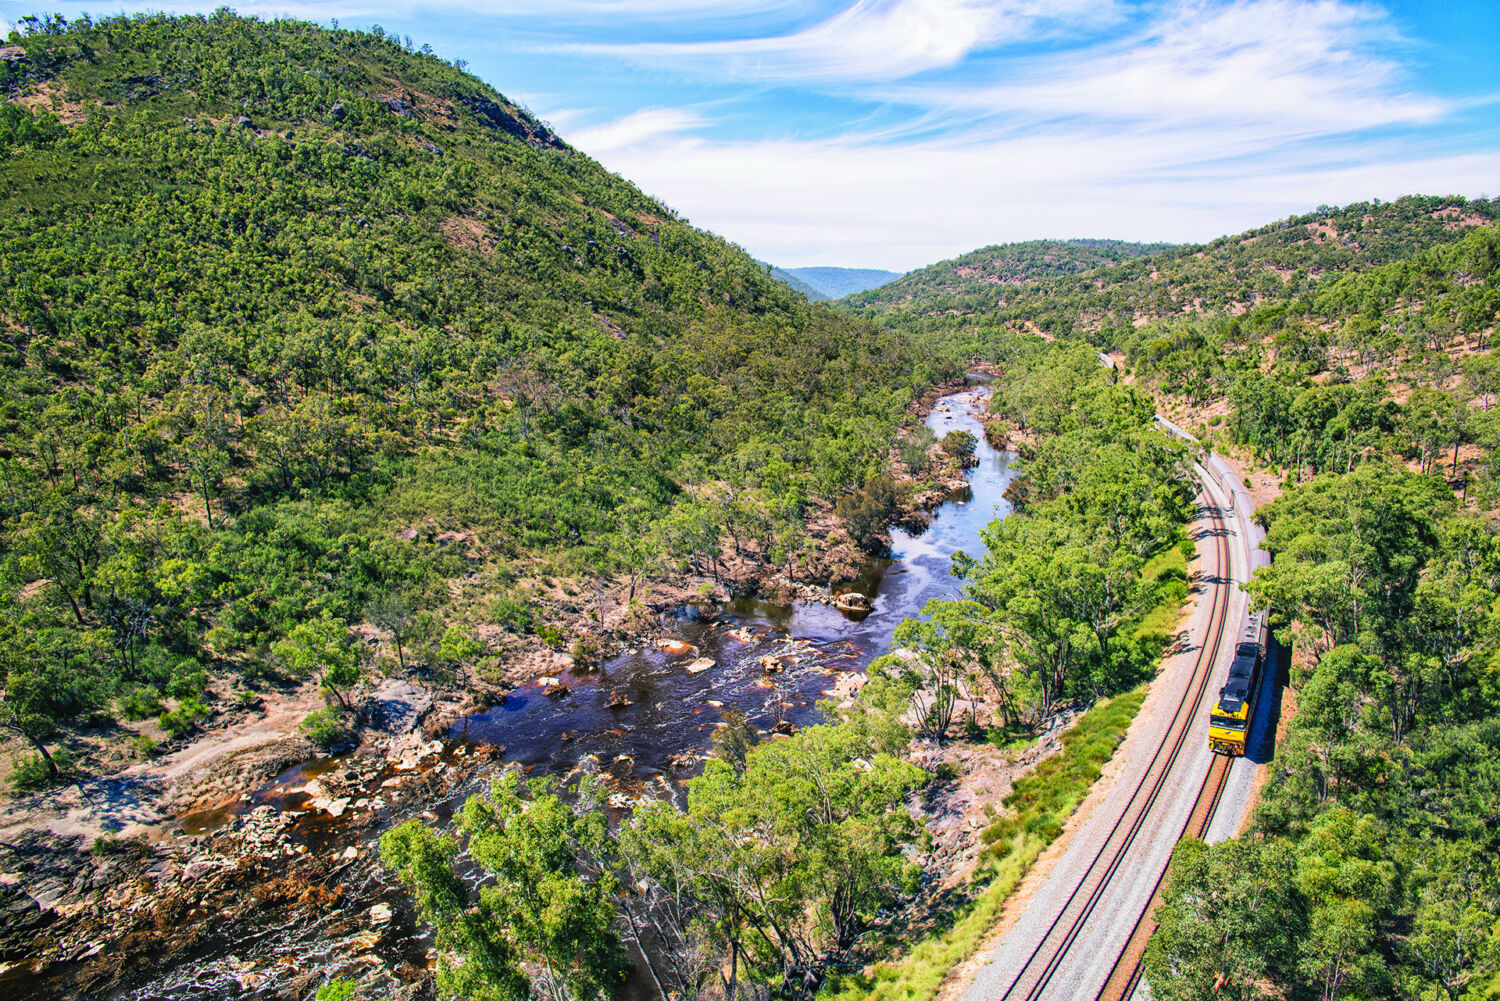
column 1041, row 966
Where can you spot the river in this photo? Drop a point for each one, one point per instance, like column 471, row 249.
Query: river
column 646, row 746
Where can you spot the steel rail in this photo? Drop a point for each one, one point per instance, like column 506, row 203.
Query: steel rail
column 1177, row 733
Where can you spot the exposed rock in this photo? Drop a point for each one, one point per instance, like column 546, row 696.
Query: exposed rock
column 556, row 691
column 700, row 665
column 380, row 914
column 12, row 53
column 853, row 601
column 245, row 123
column 398, row 706
column 337, row 113
column 619, row 700
column 675, row 647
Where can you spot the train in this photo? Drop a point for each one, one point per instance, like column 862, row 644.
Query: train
column 1233, row 711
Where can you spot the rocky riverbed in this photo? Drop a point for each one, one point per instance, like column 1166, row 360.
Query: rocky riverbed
column 269, row 892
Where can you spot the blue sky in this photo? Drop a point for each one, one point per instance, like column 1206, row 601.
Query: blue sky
column 893, row 133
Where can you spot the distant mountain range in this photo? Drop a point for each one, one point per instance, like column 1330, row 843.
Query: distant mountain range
column 832, row 283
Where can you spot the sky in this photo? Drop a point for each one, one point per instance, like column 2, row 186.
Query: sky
column 894, row 133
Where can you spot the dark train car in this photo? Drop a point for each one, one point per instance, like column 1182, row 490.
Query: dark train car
column 1235, row 708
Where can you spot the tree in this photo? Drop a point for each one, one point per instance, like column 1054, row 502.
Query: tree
column 202, row 436
column 457, row 648
column 1228, row 924
column 867, row 513
column 734, row 739
column 477, row 956
column 393, row 613
column 321, row 648
column 552, row 887
column 960, row 446
column 798, row 848
column 45, row 671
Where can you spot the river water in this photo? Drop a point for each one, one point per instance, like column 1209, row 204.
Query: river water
column 668, row 721
column 673, row 710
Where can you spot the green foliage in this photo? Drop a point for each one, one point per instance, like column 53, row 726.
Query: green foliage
column 327, row 728
column 34, row 772
column 1103, row 489
column 960, row 445
column 184, row 719
column 810, row 827
column 1370, row 871
column 260, row 376
column 321, row 648
column 548, row 902
column 1012, row 843
column 1100, row 296
column 867, row 513
column 337, row 989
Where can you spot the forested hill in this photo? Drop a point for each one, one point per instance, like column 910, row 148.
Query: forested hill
column 1274, row 263
column 273, row 296
column 978, row 272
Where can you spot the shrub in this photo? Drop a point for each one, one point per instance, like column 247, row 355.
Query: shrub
column 511, row 613
column 550, row 635
column 184, row 719
column 140, row 703
column 188, row 679
column 337, row 989
column 327, row 728
column 588, row 651
column 31, row 773
column 960, row 445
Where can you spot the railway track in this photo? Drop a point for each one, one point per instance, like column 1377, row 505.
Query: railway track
column 1041, row 966
column 1125, row 977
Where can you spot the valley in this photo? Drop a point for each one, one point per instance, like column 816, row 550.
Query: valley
column 434, row 568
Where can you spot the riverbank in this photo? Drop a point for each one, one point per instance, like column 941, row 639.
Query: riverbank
column 639, row 714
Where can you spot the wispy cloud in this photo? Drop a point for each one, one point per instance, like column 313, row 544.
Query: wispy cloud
column 1304, row 65
column 871, row 40
column 640, row 129
column 1206, row 118
column 827, row 202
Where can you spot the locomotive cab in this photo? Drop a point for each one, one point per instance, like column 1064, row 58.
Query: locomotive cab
column 1230, row 718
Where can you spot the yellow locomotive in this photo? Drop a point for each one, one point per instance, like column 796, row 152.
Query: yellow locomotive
column 1232, row 713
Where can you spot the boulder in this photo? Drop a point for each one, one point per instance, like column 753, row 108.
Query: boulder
column 700, row 665
column 398, row 706
column 337, row 113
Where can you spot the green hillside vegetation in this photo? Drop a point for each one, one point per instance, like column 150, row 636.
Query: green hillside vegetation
column 1351, row 352
column 982, row 275
column 289, row 313
column 1272, row 264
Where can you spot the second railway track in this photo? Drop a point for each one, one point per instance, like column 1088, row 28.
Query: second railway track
column 1042, row 965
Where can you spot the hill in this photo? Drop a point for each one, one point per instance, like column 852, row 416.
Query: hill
column 794, row 283
column 835, row 283
column 976, row 273
column 305, row 327
column 1273, row 263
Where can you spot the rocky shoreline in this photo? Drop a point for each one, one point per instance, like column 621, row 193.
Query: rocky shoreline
column 85, row 914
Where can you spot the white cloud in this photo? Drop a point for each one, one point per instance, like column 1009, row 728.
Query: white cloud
column 638, row 130
column 804, row 203
column 1213, row 118
column 1283, row 65
column 870, row 40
